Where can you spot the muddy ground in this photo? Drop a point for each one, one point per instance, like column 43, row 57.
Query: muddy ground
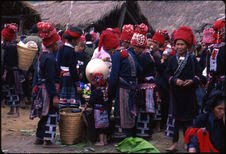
column 18, row 135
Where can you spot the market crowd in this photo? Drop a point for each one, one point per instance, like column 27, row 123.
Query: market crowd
column 156, row 82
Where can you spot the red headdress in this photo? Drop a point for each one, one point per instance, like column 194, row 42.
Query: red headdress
column 142, row 29
column 51, row 40
column 45, row 30
column 159, row 37
column 127, row 33
column 9, row 32
column 139, row 37
column 98, row 79
column 208, row 35
column 83, row 39
column 219, row 28
column 94, row 35
column 117, row 31
column 186, row 34
column 73, row 34
column 109, row 40
column 48, row 33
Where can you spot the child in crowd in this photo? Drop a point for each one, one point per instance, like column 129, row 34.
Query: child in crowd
column 99, row 102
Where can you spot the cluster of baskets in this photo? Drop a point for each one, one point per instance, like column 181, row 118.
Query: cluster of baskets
column 71, row 126
column 26, row 54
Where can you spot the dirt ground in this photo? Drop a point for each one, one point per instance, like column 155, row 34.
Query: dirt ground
column 18, row 135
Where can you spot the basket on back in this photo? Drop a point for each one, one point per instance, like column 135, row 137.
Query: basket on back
column 71, row 126
column 26, row 54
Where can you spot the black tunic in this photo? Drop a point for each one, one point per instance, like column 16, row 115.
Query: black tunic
column 183, row 99
column 10, row 57
column 10, row 61
column 67, row 58
column 50, row 72
column 148, row 65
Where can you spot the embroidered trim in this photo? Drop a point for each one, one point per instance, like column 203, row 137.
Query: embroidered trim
column 213, row 59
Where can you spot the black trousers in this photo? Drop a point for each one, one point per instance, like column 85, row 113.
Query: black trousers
column 41, row 127
column 178, row 124
column 40, row 132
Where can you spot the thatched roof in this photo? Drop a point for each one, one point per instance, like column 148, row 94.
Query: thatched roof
column 85, row 14
column 171, row 15
column 14, row 11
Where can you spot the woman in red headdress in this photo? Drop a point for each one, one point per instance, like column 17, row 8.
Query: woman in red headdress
column 69, row 76
column 216, row 58
column 10, row 68
column 183, row 73
column 45, row 104
column 146, row 83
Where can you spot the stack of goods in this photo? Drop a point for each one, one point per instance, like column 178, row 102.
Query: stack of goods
column 26, row 54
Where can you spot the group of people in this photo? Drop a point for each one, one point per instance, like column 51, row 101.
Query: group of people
column 154, row 82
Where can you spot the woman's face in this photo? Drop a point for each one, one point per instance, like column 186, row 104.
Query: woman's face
column 155, row 45
column 125, row 44
column 203, row 46
column 81, row 46
column 138, row 50
column 181, row 47
column 75, row 41
column 55, row 46
column 219, row 111
column 149, row 42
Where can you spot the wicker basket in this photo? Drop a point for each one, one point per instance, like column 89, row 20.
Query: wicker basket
column 25, row 56
column 71, row 126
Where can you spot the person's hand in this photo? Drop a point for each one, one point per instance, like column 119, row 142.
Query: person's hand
column 162, row 60
column 179, row 82
column 187, row 83
column 79, row 90
column 204, row 130
column 56, row 101
column 4, row 75
column 83, row 109
column 106, row 59
column 80, row 76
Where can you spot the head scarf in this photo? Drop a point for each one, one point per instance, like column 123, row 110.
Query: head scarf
column 98, row 79
column 9, row 32
column 186, row 34
column 139, row 37
column 127, row 33
column 109, row 40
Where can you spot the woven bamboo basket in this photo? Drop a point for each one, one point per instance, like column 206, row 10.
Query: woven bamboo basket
column 25, row 56
column 71, row 126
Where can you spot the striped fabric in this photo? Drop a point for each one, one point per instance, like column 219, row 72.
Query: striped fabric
column 40, row 105
column 127, row 118
column 101, row 119
column 68, row 97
